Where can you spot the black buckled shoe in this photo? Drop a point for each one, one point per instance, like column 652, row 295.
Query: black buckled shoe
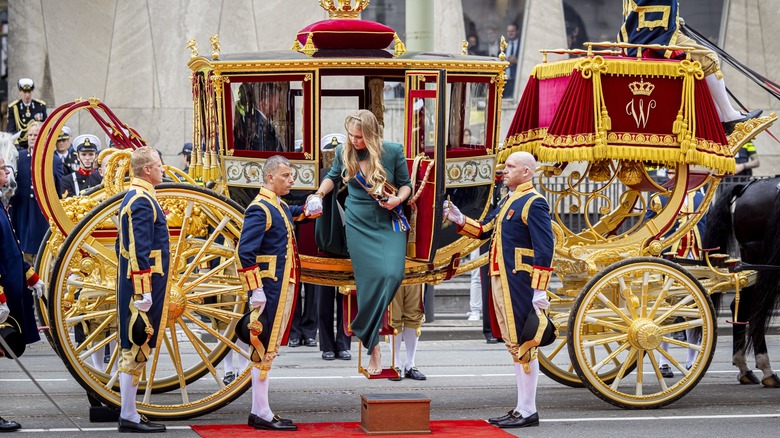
column 143, row 426
column 415, row 374
column 529, row 421
column 511, row 414
column 730, row 125
column 276, row 423
column 253, row 418
column 666, row 371
column 8, row 425
column 344, row 355
column 229, row 378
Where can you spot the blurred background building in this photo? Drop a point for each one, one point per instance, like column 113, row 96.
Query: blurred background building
column 131, row 53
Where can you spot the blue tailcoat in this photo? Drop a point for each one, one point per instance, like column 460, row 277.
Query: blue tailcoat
column 13, row 278
column 268, row 257
column 521, row 249
column 649, row 22
column 143, row 252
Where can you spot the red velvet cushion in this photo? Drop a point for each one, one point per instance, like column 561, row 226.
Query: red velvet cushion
column 347, row 34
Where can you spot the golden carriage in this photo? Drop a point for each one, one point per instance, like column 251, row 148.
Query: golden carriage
column 618, row 299
column 426, row 102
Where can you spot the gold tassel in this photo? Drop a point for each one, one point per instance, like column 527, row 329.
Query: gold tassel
column 606, row 121
column 677, row 126
column 400, row 48
column 296, row 46
column 309, row 48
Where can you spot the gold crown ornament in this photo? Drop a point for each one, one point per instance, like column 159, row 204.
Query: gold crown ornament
column 641, row 88
column 343, row 9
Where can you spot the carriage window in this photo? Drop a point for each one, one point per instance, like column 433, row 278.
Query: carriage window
column 424, row 121
column 467, row 117
column 267, row 116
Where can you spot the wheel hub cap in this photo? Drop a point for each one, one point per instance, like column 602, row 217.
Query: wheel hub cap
column 176, row 302
column 644, row 334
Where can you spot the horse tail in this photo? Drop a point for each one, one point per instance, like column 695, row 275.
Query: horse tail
column 767, row 285
column 719, row 232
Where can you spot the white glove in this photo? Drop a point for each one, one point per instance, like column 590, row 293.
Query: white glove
column 313, row 205
column 4, row 312
column 452, row 213
column 257, row 299
column 144, row 304
column 38, row 288
column 540, row 300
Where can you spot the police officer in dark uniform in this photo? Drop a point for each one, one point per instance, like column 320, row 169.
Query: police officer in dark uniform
column 66, row 152
column 22, row 111
column 87, row 147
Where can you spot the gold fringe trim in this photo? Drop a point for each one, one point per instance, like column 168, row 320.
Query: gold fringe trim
column 556, row 69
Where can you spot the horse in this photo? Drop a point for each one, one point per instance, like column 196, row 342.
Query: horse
column 741, row 222
column 9, row 152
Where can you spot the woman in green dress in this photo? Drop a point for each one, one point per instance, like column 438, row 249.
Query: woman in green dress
column 377, row 247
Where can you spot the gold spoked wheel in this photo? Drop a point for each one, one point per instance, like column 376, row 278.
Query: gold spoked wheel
column 638, row 305
column 554, row 360
column 204, row 303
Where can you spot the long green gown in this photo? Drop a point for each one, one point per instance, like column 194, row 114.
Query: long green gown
column 378, row 253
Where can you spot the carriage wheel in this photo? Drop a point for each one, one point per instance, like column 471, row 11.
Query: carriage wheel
column 554, row 360
column 203, row 307
column 637, row 304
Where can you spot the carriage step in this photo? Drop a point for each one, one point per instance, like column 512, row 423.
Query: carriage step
column 383, row 414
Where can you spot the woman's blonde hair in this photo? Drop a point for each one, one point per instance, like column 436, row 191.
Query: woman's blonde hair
column 372, row 136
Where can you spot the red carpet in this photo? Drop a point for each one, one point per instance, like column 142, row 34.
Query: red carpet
column 439, row 428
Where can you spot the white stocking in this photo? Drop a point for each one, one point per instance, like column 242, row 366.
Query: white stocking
column 396, row 339
column 242, row 361
column 127, row 392
column 661, row 358
column 97, row 360
column 260, row 406
column 694, row 337
column 718, row 91
column 410, row 339
column 227, row 364
column 526, row 388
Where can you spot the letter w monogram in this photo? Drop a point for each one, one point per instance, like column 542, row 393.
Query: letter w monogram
column 641, row 117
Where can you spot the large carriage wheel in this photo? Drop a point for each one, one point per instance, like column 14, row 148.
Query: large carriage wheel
column 637, row 304
column 204, row 304
column 554, row 359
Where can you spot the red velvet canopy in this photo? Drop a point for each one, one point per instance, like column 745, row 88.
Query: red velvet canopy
column 617, row 108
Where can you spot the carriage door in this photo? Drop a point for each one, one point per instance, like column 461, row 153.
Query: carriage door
column 424, row 133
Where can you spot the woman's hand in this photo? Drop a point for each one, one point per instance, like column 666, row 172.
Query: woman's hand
column 391, row 203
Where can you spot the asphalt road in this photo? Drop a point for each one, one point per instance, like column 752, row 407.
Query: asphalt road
column 467, row 379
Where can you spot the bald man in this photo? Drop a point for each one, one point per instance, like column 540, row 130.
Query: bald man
column 521, row 250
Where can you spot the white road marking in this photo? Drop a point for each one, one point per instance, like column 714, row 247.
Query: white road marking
column 38, row 380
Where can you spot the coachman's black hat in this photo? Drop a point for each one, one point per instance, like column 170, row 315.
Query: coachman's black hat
column 12, row 334
column 538, row 330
